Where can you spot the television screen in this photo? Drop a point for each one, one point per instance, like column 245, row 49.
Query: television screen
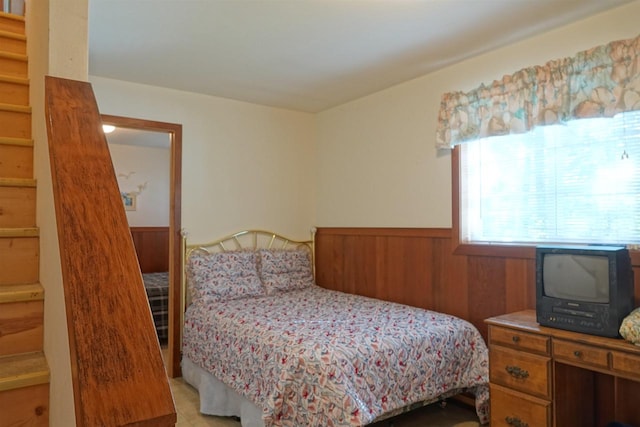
column 576, row 277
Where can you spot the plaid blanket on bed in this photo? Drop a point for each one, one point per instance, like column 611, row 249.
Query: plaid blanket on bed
column 157, row 287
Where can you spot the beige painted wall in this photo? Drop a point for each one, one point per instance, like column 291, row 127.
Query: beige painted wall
column 244, row 165
column 57, row 46
column 376, row 161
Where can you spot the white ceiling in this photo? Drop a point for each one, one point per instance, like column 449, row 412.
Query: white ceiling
column 306, row 55
column 140, row 138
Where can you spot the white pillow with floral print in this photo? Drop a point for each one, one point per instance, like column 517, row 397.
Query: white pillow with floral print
column 630, row 328
column 283, row 270
column 223, row 275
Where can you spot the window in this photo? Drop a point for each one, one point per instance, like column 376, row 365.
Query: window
column 572, row 183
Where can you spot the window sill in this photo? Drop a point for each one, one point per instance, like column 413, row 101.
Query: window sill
column 496, row 250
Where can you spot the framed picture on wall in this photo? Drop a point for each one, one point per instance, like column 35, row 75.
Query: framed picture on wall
column 129, row 201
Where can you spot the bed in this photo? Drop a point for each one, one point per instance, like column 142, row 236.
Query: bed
column 263, row 342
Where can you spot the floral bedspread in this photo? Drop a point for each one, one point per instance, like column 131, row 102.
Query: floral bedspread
column 316, row 357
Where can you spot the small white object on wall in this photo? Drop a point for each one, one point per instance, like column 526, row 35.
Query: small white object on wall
column 129, row 198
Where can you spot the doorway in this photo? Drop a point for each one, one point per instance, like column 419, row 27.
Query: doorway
column 175, row 190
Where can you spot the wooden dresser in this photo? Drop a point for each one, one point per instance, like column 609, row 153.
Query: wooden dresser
column 543, row 376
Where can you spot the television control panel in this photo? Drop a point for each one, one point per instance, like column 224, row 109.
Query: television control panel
column 587, row 325
column 578, row 319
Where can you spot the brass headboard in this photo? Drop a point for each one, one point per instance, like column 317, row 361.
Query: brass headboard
column 246, row 239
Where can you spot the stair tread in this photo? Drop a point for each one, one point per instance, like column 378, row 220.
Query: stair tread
column 7, row 15
column 16, row 56
column 17, row 182
column 14, row 79
column 12, row 35
column 21, row 292
column 19, row 232
column 16, row 108
column 26, row 142
column 23, row 370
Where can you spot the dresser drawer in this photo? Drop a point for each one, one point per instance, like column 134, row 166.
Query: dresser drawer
column 519, row 340
column 580, row 354
column 625, row 364
column 521, row 371
column 512, row 409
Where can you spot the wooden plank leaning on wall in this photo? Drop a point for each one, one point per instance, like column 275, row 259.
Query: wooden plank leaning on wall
column 117, row 369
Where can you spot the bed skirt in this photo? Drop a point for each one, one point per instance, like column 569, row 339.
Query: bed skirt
column 219, row 399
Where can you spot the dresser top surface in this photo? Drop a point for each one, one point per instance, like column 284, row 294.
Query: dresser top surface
column 526, row 321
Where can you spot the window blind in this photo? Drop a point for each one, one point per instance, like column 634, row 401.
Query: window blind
column 572, row 183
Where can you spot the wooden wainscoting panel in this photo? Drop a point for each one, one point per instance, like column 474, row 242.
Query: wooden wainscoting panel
column 359, row 265
column 419, row 267
column 486, row 282
column 520, row 287
column 451, row 294
column 152, row 248
column 402, row 270
column 329, row 256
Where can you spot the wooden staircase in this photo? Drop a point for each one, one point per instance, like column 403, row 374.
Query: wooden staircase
column 24, row 374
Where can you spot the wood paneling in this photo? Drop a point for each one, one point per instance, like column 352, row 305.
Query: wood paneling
column 152, row 248
column 486, row 281
column 420, row 267
column 450, row 294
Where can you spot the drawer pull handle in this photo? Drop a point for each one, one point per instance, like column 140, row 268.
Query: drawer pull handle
column 515, row 339
column 515, row 422
column 577, row 354
column 517, row 372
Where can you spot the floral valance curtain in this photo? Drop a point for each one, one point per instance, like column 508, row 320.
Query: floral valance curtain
column 599, row 82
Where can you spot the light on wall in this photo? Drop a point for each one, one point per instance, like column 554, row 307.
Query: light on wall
column 108, row 128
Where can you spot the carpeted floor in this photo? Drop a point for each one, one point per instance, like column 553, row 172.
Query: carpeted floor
column 451, row 415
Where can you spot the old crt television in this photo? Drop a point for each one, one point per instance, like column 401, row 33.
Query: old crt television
column 585, row 289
